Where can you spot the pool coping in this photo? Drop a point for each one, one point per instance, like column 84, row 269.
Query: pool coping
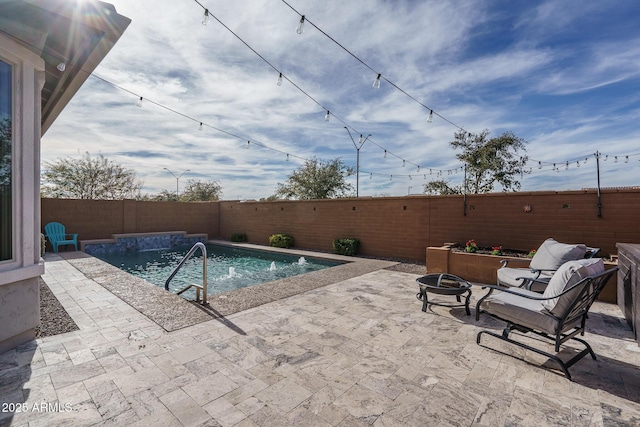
column 172, row 312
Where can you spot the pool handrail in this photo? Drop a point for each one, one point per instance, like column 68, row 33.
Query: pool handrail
column 203, row 287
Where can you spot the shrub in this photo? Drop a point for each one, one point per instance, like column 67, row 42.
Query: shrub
column 281, row 240
column 348, row 247
column 239, row 237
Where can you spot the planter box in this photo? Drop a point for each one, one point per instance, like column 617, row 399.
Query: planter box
column 482, row 268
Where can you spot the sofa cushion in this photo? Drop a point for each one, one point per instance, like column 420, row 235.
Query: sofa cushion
column 568, row 275
column 552, row 254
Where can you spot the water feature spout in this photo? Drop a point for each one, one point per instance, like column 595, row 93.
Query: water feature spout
column 273, row 266
column 302, row 261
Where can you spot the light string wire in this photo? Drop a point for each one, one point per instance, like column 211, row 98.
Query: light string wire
column 280, row 73
column 378, row 73
column 547, row 166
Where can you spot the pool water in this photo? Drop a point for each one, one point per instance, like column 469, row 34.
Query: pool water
column 227, row 268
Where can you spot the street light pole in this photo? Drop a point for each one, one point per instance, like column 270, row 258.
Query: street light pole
column 177, row 179
column 358, row 147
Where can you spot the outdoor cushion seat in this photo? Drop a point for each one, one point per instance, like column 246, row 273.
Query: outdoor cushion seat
column 56, row 233
column 558, row 315
column 548, row 258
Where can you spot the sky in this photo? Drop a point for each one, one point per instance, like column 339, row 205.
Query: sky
column 562, row 75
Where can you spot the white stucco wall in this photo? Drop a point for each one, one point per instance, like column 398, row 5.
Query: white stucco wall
column 19, row 295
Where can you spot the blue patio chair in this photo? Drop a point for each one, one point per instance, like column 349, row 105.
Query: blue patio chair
column 57, row 235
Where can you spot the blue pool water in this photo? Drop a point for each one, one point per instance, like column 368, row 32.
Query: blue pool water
column 227, row 268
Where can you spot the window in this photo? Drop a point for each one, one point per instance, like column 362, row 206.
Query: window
column 6, row 205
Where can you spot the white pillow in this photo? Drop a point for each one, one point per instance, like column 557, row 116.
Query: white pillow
column 569, row 274
column 552, row 254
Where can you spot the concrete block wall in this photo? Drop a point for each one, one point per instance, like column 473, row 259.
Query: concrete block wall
column 397, row 227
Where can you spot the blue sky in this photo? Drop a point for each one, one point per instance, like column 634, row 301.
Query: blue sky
column 563, row 75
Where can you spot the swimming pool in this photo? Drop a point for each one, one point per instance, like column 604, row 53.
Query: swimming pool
column 228, row 268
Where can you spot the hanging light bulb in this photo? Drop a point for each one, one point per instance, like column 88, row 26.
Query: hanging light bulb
column 385, row 154
column 403, row 162
column 300, row 28
column 410, row 179
column 327, row 116
column 585, row 160
column 554, row 166
column 578, row 164
column 390, row 177
column 61, row 67
column 205, row 17
column 430, row 118
column 370, row 175
column 248, row 144
column 200, row 127
column 539, row 165
column 139, row 102
column 376, row 82
column 606, row 156
column 615, row 159
column 418, row 171
column 287, row 157
column 626, row 159
column 279, row 81
column 567, row 167
column 360, row 140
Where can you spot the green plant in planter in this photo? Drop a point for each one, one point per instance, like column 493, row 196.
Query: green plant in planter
column 496, row 250
column 239, row 237
column 281, row 240
column 347, row 247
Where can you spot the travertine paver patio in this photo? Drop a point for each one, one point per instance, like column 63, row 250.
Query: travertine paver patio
column 354, row 353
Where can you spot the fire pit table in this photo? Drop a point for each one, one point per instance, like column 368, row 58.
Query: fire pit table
column 444, row 284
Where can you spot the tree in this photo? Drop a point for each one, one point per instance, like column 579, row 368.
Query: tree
column 488, row 162
column 201, row 191
column 90, row 178
column 317, row 180
column 441, row 186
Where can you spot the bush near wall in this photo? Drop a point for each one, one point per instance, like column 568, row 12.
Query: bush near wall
column 281, row 240
column 347, row 247
column 239, row 237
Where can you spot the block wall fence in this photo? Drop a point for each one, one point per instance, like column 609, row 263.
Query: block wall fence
column 396, row 227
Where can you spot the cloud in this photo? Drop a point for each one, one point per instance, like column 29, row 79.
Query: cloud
column 559, row 74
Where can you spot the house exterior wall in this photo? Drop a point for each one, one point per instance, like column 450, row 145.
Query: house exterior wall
column 396, row 227
column 19, row 289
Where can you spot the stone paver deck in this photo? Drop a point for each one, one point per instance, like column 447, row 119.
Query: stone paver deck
column 354, row 353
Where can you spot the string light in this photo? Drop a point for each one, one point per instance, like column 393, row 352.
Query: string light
column 279, row 81
column 300, row 28
column 615, row 159
column 249, row 142
column 626, row 159
column 385, row 154
column 200, row 127
column 578, row 164
column 430, row 118
column 205, row 17
column 139, row 102
column 327, row 116
column 403, row 162
column 376, row 82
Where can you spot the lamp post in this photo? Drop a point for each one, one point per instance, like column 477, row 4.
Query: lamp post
column 177, row 179
column 358, row 147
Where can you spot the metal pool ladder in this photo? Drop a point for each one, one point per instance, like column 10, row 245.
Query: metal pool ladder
column 203, row 287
